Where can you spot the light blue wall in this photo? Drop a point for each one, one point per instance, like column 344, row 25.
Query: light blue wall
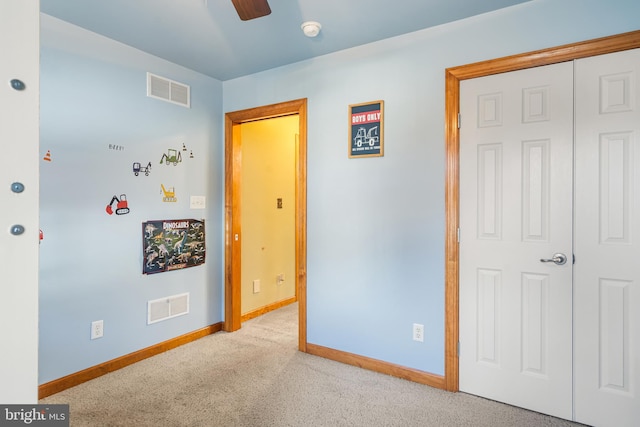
column 376, row 226
column 93, row 94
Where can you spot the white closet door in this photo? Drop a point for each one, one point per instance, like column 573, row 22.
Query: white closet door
column 515, row 209
column 607, row 240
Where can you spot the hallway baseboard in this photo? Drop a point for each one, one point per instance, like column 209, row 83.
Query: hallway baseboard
column 267, row 308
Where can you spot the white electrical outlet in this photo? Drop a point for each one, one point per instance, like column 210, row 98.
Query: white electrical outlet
column 418, row 332
column 97, row 329
column 256, row 286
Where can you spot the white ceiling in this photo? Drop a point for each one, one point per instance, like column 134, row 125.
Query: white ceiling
column 207, row 36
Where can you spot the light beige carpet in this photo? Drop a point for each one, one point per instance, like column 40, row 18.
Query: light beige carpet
column 256, row 377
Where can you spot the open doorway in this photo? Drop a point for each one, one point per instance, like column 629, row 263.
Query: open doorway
column 233, row 209
column 269, row 165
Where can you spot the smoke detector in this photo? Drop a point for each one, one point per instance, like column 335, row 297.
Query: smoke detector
column 311, row 28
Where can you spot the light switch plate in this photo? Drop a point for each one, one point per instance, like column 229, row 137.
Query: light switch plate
column 198, row 202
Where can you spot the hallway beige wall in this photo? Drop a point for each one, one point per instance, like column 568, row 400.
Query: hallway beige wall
column 268, row 242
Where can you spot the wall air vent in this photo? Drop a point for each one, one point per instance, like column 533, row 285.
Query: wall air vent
column 168, row 90
column 166, row 308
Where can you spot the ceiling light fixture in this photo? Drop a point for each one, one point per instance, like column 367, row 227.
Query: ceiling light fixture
column 311, row 28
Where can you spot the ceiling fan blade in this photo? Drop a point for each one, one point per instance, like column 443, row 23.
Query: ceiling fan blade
column 251, row 9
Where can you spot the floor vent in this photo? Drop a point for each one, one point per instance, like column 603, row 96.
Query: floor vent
column 166, row 308
column 168, row 90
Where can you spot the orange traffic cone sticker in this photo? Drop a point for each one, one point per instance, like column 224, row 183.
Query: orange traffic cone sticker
column 47, row 156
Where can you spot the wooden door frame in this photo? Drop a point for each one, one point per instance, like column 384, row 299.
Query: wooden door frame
column 453, row 76
column 233, row 226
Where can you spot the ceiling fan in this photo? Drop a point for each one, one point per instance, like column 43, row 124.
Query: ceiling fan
column 251, row 9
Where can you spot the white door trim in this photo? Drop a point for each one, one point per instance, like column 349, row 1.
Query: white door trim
column 19, row 136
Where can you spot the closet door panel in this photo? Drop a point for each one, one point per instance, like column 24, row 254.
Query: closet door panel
column 607, row 240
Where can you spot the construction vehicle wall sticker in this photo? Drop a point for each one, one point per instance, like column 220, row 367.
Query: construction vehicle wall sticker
column 172, row 244
column 138, row 169
column 172, row 156
column 169, row 194
column 122, row 206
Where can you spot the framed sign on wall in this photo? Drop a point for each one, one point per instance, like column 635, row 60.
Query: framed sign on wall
column 366, row 126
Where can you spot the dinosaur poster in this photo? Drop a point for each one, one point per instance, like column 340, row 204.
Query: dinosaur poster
column 172, row 245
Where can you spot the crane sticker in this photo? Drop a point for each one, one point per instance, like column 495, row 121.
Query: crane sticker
column 138, row 169
column 172, row 244
column 169, row 194
column 366, row 124
column 122, row 206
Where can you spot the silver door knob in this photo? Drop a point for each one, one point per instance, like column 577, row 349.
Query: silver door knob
column 557, row 258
